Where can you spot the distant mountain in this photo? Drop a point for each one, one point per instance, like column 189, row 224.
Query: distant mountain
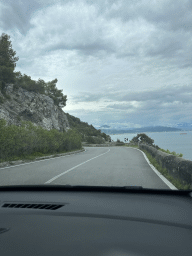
column 141, row 130
column 184, row 126
column 104, row 126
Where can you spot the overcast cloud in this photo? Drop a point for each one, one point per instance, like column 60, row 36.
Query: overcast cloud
column 119, row 62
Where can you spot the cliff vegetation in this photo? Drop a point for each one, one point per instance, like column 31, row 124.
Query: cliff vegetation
column 32, row 121
column 87, row 132
column 18, row 142
column 8, row 61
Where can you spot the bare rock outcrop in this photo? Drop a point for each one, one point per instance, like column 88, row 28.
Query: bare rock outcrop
column 22, row 105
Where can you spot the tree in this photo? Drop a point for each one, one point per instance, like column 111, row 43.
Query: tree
column 7, row 75
column 7, row 60
column 56, row 94
column 27, row 83
column 143, row 138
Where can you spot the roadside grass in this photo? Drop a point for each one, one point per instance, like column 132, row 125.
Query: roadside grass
column 132, row 146
column 177, row 183
column 171, row 153
column 34, row 156
column 120, row 144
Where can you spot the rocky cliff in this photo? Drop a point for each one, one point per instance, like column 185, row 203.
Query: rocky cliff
column 18, row 105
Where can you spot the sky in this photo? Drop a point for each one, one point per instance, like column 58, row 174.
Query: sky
column 126, row 63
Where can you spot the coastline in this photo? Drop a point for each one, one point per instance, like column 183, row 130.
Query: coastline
column 172, row 141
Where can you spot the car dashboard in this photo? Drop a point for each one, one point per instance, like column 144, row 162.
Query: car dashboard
column 66, row 220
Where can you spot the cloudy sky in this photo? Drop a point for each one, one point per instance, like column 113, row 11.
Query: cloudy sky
column 123, row 63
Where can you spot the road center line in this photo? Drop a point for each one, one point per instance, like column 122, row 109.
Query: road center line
column 56, row 177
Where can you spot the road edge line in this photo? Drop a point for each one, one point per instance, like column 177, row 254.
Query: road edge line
column 45, row 159
column 165, row 180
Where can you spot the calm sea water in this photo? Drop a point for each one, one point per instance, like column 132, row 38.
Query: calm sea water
column 174, row 141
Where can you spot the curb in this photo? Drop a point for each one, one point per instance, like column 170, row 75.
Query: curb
column 12, row 163
column 103, row 145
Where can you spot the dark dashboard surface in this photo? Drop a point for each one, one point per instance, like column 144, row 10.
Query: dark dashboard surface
column 40, row 221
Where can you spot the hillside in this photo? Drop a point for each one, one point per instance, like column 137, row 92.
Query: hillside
column 40, row 102
column 88, row 132
column 19, row 104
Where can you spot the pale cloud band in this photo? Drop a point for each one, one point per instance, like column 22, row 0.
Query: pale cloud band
column 131, row 59
column 167, row 105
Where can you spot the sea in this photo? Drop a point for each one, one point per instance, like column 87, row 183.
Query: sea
column 180, row 142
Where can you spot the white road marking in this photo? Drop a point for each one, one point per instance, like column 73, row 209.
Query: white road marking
column 56, row 177
column 168, row 183
column 12, row 166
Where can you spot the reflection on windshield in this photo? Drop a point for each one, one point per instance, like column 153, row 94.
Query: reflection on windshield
column 96, row 93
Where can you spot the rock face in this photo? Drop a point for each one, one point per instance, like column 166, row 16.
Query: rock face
column 30, row 106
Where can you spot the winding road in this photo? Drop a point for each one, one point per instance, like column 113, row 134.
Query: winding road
column 96, row 166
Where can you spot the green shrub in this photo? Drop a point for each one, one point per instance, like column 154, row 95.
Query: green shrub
column 142, row 138
column 120, row 144
column 85, row 130
column 171, row 153
column 28, row 139
column 95, row 140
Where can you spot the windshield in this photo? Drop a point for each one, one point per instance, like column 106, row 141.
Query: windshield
column 96, row 93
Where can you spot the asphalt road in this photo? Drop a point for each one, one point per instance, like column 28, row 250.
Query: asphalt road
column 97, row 166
